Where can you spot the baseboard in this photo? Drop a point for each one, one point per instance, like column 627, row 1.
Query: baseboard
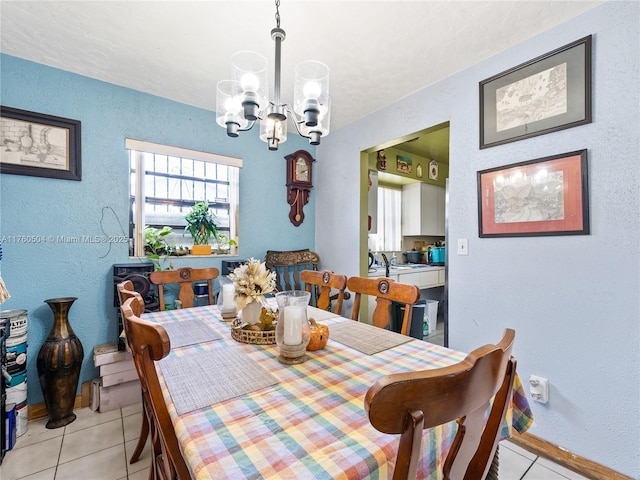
column 573, row 462
column 85, row 400
column 39, row 410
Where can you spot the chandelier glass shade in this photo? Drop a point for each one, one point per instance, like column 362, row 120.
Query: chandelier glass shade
column 243, row 100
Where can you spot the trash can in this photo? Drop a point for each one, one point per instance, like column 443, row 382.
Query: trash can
column 417, row 318
column 200, row 294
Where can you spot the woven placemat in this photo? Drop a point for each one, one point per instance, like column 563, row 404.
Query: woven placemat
column 364, row 337
column 212, row 376
column 189, row 332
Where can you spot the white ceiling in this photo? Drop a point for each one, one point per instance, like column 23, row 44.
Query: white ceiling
column 378, row 51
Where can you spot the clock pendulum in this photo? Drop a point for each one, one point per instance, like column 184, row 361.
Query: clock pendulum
column 298, row 214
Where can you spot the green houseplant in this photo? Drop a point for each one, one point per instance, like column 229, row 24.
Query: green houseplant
column 201, row 224
column 224, row 243
column 155, row 243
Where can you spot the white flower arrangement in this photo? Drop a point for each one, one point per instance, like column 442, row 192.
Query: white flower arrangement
column 252, row 281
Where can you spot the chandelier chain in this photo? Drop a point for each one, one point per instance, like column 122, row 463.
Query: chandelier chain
column 277, row 13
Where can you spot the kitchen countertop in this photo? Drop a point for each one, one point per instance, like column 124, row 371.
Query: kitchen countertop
column 421, row 275
column 401, row 269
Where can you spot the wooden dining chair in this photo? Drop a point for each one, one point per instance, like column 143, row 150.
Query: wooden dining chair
column 386, row 291
column 322, row 284
column 150, row 343
column 407, row 403
column 184, row 277
column 288, row 264
column 125, row 292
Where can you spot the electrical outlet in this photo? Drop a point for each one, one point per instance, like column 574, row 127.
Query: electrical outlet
column 539, row 388
column 463, row 246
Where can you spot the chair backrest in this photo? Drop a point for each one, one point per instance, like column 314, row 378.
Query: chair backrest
column 321, row 284
column 407, row 403
column 185, row 278
column 149, row 343
column 288, row 265
column 386, row 291
column 125, row 292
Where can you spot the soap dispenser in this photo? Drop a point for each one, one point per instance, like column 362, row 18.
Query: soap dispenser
column 394, row 260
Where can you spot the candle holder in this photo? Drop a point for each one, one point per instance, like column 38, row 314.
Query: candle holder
column 228, row 308
column 292, row 331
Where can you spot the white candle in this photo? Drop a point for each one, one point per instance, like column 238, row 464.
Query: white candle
column 293, row 317
column 228, row 294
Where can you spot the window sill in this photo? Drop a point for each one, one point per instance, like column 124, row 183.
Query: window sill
column 169, row 258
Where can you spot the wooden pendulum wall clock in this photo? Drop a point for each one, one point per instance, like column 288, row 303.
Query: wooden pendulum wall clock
column 299, row 183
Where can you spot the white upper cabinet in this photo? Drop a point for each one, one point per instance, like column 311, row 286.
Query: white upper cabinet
column 423, row 210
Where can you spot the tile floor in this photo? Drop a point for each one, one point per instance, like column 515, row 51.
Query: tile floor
column 436, row 337
column 98, row 446
column 95, row 446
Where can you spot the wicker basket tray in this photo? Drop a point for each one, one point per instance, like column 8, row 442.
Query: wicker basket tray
column 250, row 336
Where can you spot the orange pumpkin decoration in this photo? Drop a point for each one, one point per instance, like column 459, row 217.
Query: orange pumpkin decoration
column 319, row 336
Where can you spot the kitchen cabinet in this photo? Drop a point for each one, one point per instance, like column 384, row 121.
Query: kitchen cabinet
column 373, row 202
column 423, row 209
column 422, row 280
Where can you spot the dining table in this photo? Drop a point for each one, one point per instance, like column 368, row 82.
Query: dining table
column 239, row 413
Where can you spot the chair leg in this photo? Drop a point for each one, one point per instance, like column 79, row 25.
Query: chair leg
column 144, row 433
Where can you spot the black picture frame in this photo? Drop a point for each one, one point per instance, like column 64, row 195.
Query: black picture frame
column 549, row 93
column 39, row 145
column 540, row 197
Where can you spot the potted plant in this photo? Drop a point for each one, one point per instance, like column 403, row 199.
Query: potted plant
column 177, row 250
column 155, row 243
column 201, row 224
column 224, row 243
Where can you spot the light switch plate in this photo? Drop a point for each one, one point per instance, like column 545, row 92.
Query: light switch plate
column 463, row 246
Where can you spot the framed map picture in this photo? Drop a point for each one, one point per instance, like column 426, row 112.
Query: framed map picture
column 546, row 94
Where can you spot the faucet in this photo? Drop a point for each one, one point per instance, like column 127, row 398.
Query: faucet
column 386, row 265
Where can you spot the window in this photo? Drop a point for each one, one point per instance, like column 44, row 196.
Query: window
column 388, row 237
column 165, row 182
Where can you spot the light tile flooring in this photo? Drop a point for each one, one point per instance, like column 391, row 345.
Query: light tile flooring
column 95, row 446
column 436, row 337
column 98, row 446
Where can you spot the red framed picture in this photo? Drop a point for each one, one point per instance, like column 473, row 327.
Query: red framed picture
column 545, row 196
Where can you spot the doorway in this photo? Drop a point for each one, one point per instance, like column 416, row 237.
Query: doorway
column 419, row 157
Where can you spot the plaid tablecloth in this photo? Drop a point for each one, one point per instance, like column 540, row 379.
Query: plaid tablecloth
column 312, row 423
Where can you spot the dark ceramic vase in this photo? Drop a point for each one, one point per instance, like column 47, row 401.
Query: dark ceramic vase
column 59, row 362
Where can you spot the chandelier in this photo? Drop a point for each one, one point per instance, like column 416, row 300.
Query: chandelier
column 242, row 101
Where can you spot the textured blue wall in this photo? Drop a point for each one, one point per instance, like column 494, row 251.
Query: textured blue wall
column 34, row 272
